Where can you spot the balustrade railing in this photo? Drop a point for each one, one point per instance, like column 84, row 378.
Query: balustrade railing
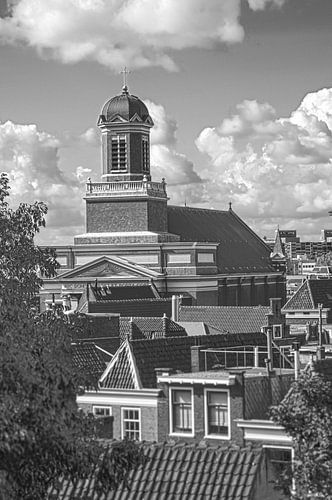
column 117, row 187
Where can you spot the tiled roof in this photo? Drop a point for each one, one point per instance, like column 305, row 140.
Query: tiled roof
column 135, row 307
column 232, row 319
column 121, row 370
column 182, row 472
column 171, row 352
column 310, row 294
column 149, row 327
column 199, row 328
column 88, row 358
column 240, row 249
column 121, row 291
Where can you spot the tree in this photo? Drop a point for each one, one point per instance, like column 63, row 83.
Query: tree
column 43, row 436
column 306, row 415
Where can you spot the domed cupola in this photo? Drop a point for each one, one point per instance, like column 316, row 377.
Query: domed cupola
column 126, row 107
column 125, row 125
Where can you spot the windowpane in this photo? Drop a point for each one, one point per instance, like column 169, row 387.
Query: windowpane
column 181, row 411
column 217, row 413
column 131, row 423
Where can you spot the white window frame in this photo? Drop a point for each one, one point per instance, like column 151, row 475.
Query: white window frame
column 101, row 407
column 123, row 420
column 181, row 388
column 145, row 154
column 273, row 332
column 225, row 437
column 116, row 139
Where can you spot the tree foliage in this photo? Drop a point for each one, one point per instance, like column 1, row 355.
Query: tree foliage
column 306, row 415
column 43, row 436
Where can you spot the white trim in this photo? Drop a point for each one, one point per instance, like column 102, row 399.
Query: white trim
column 136, row 398
column 170, row 391
column 227, row 380
column 206, row 416
column 131, row 408
column 263, row 430
column 273, row 332
column 101, row 407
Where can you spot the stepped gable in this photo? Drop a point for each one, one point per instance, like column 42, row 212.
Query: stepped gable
column 240, row 249
column 310, row 294
column 88, row 359
column 144, row 356
column 231, row 319
column 179, row 471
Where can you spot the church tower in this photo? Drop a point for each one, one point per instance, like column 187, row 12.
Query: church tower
column 125, row 206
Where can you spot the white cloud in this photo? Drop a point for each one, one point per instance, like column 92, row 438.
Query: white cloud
column 165, row 160
column 272, row 167
column 115, row 33
column 31, row 159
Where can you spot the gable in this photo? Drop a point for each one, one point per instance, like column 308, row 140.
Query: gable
column 301, row 299
column 121, row 372
column 109, row 267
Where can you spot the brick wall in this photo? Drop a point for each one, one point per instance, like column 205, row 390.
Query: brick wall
column 126, row 216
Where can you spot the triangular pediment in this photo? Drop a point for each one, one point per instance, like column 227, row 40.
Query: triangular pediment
column 109, row 267
column 136, row 118
column 302, row 299
column 117, row 118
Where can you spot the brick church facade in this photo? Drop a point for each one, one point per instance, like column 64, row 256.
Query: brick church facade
column 134, row 238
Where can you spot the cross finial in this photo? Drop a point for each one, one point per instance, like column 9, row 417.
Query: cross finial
column 125, row 72
column 230, row 205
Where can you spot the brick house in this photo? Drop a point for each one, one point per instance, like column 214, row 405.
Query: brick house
column 302, row 309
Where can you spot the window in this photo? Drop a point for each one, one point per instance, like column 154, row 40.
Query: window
column 181, row 411
column 217, row 414
column 119, row 152
column 145, row 153
column 277, row 331
column 102, row 411
column 131, row 423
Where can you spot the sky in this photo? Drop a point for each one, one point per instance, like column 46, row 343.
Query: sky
column 240, row 92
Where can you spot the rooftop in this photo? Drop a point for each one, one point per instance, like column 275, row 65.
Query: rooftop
column 240, row 249
column 180, row 471
column 310, row 294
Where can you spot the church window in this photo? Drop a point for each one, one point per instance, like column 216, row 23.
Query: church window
column 119, row 152
column 145, row 153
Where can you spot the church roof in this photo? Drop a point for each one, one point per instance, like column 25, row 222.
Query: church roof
column 126, row 106
column 310, row 294
column 240, row 249
column 174, row 471
column 232, row 319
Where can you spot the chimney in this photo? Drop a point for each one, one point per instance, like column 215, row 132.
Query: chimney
column 269, row 360
column 165, row 325
column 296, row 353
column 175, row 308
column 197, row 359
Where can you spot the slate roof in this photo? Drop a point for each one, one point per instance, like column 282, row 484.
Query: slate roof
column 310, row 294
column 89, row 359
column 240, row 249
column 232, row 319
column 181, row 471
column 144, row 356
column 278, row 251
column 149, row 327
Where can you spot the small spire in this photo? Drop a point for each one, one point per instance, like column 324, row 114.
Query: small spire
column 125, row 72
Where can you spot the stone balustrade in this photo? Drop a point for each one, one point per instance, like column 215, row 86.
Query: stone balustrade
column 125, row 188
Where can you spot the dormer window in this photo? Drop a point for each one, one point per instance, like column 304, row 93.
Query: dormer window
column 145, row 154
column 119, row 152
